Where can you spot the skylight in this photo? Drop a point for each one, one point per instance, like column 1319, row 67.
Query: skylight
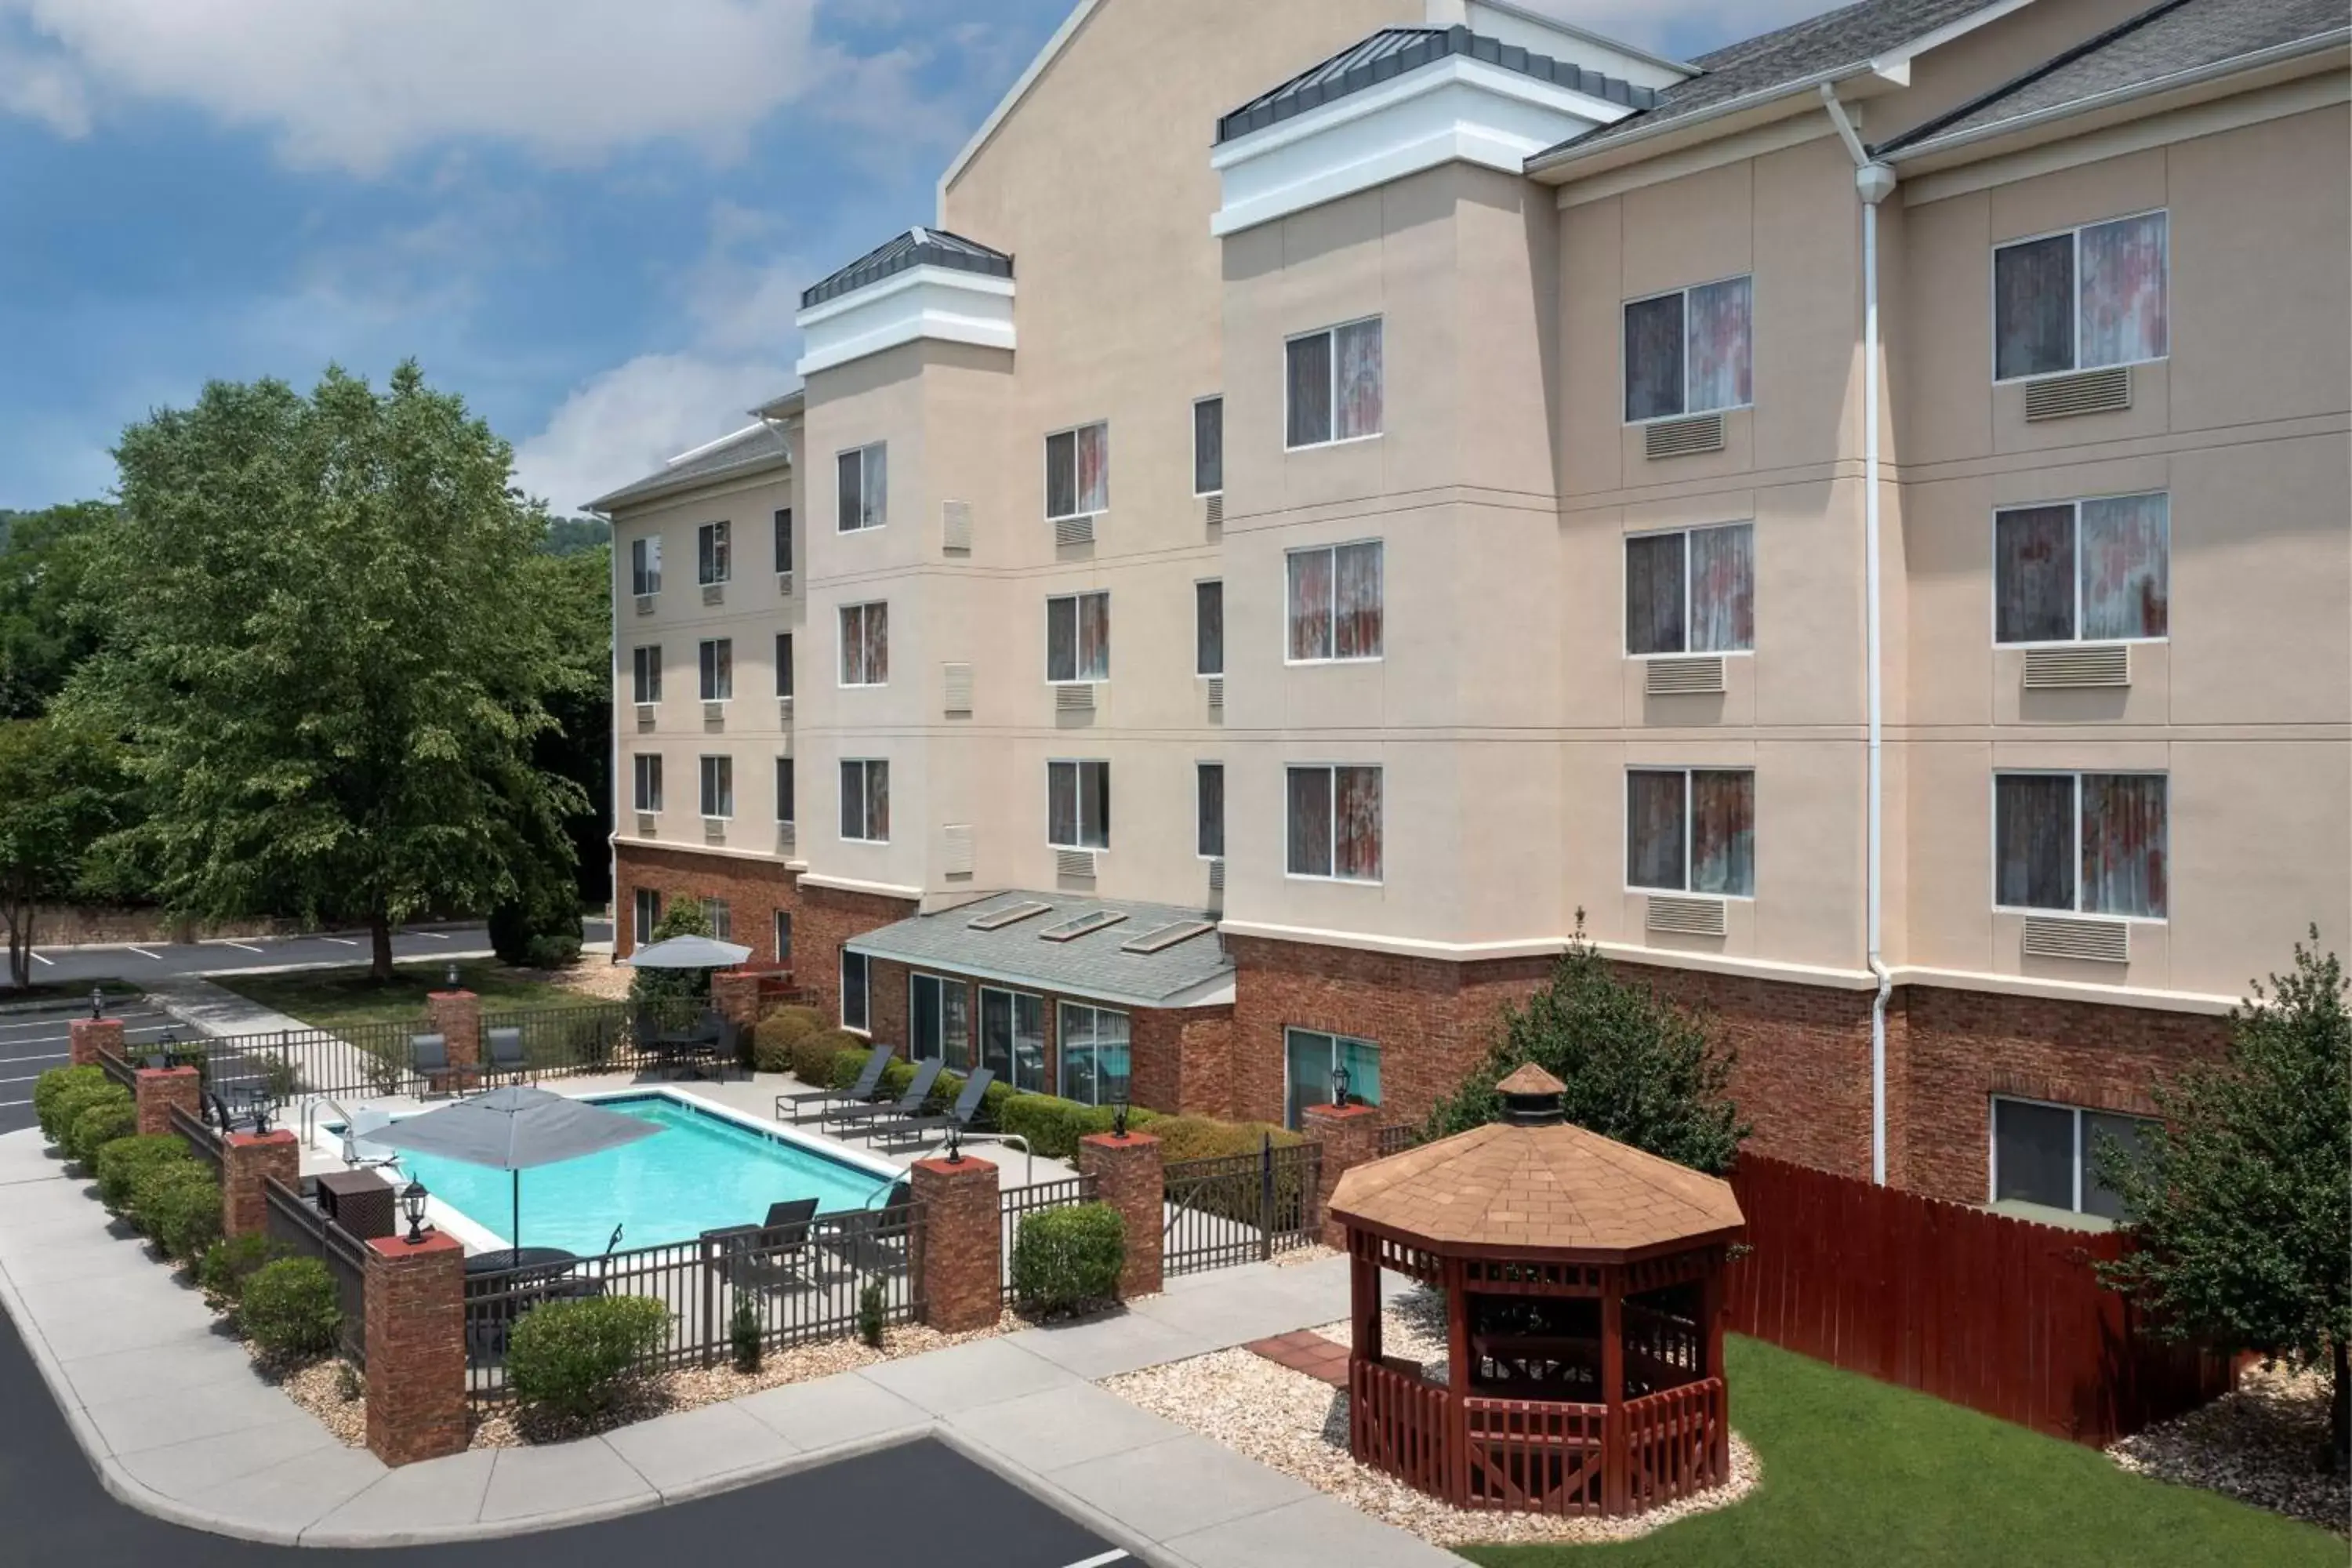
column 1071, row 930
column 1011, row 914
column 1160, row 938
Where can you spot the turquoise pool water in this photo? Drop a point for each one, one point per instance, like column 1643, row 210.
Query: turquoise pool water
column 702, row 1172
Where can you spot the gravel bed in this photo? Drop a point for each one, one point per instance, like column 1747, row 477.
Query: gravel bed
column 331, row 1389
column 2259, row 1445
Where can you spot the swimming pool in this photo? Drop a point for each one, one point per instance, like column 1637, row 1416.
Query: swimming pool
column 702, row 1172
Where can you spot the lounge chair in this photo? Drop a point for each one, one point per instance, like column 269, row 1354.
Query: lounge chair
column 359, row 1152
column 870, row 1240
column 910, row 1103
column 507, row 1055
column 868, row 1084
column 254, row 1118
column 915, row 1129
column 756, row 1256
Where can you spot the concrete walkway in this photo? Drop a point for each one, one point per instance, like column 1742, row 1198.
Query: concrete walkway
column 170, row 1414
column 216, row 1010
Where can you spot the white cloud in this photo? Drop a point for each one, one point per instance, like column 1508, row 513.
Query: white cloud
column 626, row 422
column 357, row 86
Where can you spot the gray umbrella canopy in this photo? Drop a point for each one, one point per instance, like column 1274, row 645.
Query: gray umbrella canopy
column 512, row 1129
column 690, row 952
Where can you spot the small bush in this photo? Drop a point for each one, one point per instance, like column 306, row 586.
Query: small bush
column 1067, row 1258
column 122, row 1163
column 559, row 952
column 870, row 1302
column 1206, row 1138
column 849, row 1054
column 178, row 1203
column 67, row 1106
column 229, row 1262
column 743, row 1336
column 348, row 1383
column 52, row 1086
column 1054, row 1126
column 775, row 1039
column 290, row 1309
column 105, row 1120
column 572, row 1357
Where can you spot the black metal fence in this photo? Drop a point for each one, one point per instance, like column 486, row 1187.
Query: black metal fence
column 311, row 1234
column 118, row 1069
column 203, row 1142
column 1017, row 1203
column 1242, row 1208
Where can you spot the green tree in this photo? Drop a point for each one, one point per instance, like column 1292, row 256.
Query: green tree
column 577, row 591
column 1637, row 1067
column 47, row 625
column 683, row 917
column 59, row 793
column 2240, row 1196
column 325, row 653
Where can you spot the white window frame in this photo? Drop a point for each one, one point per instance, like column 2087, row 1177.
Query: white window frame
column 646, row 767
column 1200, row 763
column 1625, row 627
column 1219, row 399
column 1077, row 623
column 2074, row 851
column 2081, row 1151
column 1062, row 1011
column 862, row 763
column 2074, row 503
column 645, row 673
column 1332, row 550
column 1625, row 370
column 705, row 669
column 1045, row 471
column 871, row 455
column 1332, row 768
column 840, row 637
column 724, row 554
column 1332, row 331
column 704, row 793
column 649, row 546
column 1690, row 826
column 1079, row 783
column 2075, row 323
column 865, row 1025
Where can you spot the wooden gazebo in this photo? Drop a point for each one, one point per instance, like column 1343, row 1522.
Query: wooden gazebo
column 1583, row 1311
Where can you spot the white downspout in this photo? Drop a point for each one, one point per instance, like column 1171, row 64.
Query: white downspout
column 1873, row 182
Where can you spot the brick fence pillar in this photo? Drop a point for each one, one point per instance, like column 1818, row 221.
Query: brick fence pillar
column 158, row 1088
column 735, row 995
column 457, row 1017
column 959, row 1247
column 1130, row 1177
column 415, row 1348
column 92, row 1036
column 1351, row 1136
column 246, row 1159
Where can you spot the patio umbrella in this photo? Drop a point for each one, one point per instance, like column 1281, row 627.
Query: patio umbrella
column 690, row 952
column 513, row 1130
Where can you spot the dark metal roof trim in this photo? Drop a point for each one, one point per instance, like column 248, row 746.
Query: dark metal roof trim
column 901, row 253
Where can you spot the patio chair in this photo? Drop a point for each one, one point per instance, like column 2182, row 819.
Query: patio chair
column 254, row 1118
column 915, row 1129
column 851, row 1118
column 428, row 1059
column 870, row 1240
column 358, row 1152
column 506, row 1052
column 754, row 1256
column 868, row 1084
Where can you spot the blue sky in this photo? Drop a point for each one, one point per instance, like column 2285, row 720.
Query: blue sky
column 591, row 217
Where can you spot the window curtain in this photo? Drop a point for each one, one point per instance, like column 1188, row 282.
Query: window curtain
column 1653, row 594
column 1723, row 588
column 1062, row 804
column 1209, row 802
column 1094, row 468
column 1655, row 830
column 1310, row 822
column 2123, row 310
column 2033, row 574
column 2033, row 307
column 785, row 789
column 1307, row 372
column 1356, row 848
column 718, row 669
column 877, row 494
column 717, row 786
column 1720, row 352
column 2123, row 844
column 1310, row 604
column 877, row 802
column 876, row 640
column 1094, row 637
column 1357, row 601
column 1653, row 358
column 1207, row 628
column 1061, row 639
column 1094, row 804
column 853, row 800
column 1208, row 446
column 710, row 542
column 644, row 565
column 2033, row 840
column 1062, row 474
column 853, row 645
column 2125, row 580
column 1723, row 832
column 849, row 470
column 1359, row 350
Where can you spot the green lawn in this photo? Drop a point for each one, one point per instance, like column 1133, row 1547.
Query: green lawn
column 74, row 991
column 332, row 998
column 1856, row 1471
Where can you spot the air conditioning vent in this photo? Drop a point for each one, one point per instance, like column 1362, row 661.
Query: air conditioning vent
column 2088, row 392
column 956, row 679
column 1217, row 876
column 2091, row 664
column 1683, row 677
column 783, row 584
column 714, row 830
column 1216, row 688
column 955, row 527
column 1074, row 530
column 1075, row 863
column 1212, row 509
column 1073, row 696
column 787, row 836
column 645, row 825
column 1686, row 917
column 644, row 603
column 785, row 711
column 646, row 715
column 2060, row 936
column 955, row 850
column 1683, row 437
column 714, row 715
column 714, row 593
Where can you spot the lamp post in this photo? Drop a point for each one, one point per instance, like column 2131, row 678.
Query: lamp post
column 98, row 1000
column 1119, row 1121
column 453, row 974
column 955, row 1146
column 411, row 1204
column 1339, row 1088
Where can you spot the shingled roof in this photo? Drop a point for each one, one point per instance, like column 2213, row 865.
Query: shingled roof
column 1142, row 954
column 746, row 452
column 899, row 253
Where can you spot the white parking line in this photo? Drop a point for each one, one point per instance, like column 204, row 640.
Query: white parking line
column 223, row 942
column 38, row 959
column 435, row 935
column 1098, row 1562
column 144, row 953
column 339, row 941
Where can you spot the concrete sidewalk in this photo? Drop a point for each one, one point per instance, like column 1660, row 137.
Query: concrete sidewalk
column 172, row 1415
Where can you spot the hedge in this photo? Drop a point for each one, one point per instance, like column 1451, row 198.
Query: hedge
column 775, row 1036
column 51, row 1086
column 178, row 1203
column 102, row 1124
column 290, row 1308
column 67, row 1104
column 120, row 1164
column 1053, row 1125
column 572, row 1357
column 228, row 1263
column 1067, row 1258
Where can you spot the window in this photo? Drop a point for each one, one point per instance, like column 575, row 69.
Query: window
column 2087, row 843
column 2048, row 1155
column 1094, row 1055
column 646, row 769
column 783, row 664
column 644, row 565
column 1208, row 446
column 1691, row 591
column 866, row 800
column 863, row 475
column 1077, row 637
column 1207, row 628
column 717, row 786
column 865, row 645
column 711, row 554
column 2081, row 300
column 2088, row 571
column 718, row 668
column 855, row 1013
column 1335, row 823
column 1335, row 603
column 783, row 936
column 1691, row 830
column 1311, row 1058
column 720, row 918
column 1077, row 471
column 646, row 912
column 644, row 673
column 939, row 1021
column 1077, row 806
column 785, row 789
column 1013, row 1038
column 784, row 523
column 1331, row 385
column 1209, row 801
column 1689, row 351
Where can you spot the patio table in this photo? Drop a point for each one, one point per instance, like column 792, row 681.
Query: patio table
column 535, row 1260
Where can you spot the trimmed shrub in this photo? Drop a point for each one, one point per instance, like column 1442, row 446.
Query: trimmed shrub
column 229, row 1262
column 743, row 1336
column 1206, row 1138
column 1054, row 1125
column 572, row 1357
column 102, row 1124
column 290, row 1309
column 178, row 1203
column 67, row 1106
column 870, row 1302
column 120, row 1164
column 1067, row 1258
column 52, row 1086
column 775, row 1040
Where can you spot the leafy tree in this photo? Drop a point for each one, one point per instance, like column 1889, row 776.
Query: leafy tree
column 2240, row 1196
column 683, row 917
column 577, row 591
column 325, row 652
column 47, row 626
column 577, row 536
column 59, row 793
column 1637, row 1067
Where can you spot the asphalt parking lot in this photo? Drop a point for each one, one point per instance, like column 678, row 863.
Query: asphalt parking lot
column 138, row 962
column 33, row 1042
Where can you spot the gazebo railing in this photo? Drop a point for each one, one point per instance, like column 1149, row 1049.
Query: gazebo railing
column 1399, row 1425
column 1533, row 1455
column 1676, row 1443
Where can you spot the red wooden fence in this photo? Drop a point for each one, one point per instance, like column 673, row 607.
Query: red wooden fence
column 1999, row 1314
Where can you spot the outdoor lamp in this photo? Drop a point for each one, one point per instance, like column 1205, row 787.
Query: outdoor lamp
column 955, row 1146
column 1119, row 1121
column 98, row 1002
column 411, row 1204
column 1339, row 1088
column 453, row 974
